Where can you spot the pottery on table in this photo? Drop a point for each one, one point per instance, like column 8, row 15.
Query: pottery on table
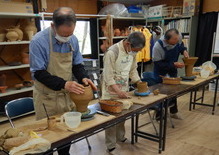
column 19, row 32
column 189, row 64
column 2, row 37
column 142, row 87
column 81, row 100
column 12, row 35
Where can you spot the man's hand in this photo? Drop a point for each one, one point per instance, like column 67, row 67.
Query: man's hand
column 122, row 94
column 185, row 54
column 179, row 64
column 87, row 81
column 74, row 87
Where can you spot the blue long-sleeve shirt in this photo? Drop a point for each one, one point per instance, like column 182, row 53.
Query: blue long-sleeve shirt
column 40, row 55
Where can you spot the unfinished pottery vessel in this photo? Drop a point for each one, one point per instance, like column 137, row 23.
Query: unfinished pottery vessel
column 2, row 37
column 189, row 64
column 19, row 32
column 12, row 35
column 30, row 29
column 81, row 100
column 142, row 87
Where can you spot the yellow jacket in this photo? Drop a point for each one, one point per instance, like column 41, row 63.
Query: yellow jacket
column 144, row 54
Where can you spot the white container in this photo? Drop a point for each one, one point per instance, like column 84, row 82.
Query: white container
column 205, row 73
column 72, row 119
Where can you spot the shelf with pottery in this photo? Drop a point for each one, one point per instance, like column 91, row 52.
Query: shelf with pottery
column 4, row 68
column 12, row 91
column 14, row 43
column 116, row 37
column 18, row 15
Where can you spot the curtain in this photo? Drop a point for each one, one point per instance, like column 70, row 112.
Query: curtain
column 207, row 27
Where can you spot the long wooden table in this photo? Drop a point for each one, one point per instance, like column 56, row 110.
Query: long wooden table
column 86, row 129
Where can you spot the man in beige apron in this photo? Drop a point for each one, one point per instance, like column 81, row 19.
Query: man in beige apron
column 119, row 66
column 54, row 55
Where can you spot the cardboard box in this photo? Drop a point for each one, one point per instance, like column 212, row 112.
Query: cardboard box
column 16, row 7
column 191, row 7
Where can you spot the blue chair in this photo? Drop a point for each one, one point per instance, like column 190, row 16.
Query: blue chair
column 19, row 107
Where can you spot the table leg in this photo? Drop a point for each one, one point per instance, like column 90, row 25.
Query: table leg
column 132, row 128
column 195, row 95
column 161, row 128
column 166, row 103
column 215, row 97
column 190, row 102
column 136, row 127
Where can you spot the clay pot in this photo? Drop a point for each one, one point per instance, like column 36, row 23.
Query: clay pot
column 104, row 46
column 51, row 122
column 2, row 37
column 25, row 57
column 19, row 32
column 3, row 89
column 12, row 35
column 117, row 32
column 2, row 80
column 30, row 29
column 81, row 100
column 142, row 87
column 189, row 64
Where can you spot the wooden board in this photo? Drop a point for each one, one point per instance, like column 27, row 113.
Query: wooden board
column 197, row 80
column 60, row 131
column 146, row 99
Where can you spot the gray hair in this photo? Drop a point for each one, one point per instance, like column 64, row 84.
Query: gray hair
column 136, row 39
column 64, row 16
column 169, row 33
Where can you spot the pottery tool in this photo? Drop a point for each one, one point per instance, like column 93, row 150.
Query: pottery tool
column 46, row 111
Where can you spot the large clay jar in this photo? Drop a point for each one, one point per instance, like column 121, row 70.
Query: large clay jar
column 19, row 32
column 189, row 64
column 2, row 37
column 81, row 100
column 12, row 35
column 30, row 29
column 142, row 87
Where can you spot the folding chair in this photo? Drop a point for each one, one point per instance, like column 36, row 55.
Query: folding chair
column 19, row 107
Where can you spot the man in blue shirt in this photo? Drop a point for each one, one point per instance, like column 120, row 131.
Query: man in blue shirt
column 54, row 56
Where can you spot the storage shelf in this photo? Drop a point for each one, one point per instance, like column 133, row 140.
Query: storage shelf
column 158, row 19
column 13, row 91
column 3, row 68
column 125, row 18
column 14, row 42
column 215, row 55
column 101, row 54
column 117, row 37
column 18, row 15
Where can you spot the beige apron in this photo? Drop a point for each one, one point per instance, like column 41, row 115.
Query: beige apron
column 121, row 76
column 56, row 102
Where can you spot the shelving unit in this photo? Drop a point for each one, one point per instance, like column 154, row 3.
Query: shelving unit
column 127, row 21
column 14, row 43
column 4, row 68
column 13, row 91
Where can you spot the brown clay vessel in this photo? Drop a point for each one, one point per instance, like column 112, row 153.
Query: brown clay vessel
column 12, row 35
column 81, row 100
column 189, row 64
column 142, row 87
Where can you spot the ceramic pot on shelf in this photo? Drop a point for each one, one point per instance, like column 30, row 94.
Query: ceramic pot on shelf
column 81, row 100
column 12, row 35
column 3, row 86
column 117, row 32
column 19, row 32
column 189, row 64
column 2, row 37
column 30, row 29
column 25, row 57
